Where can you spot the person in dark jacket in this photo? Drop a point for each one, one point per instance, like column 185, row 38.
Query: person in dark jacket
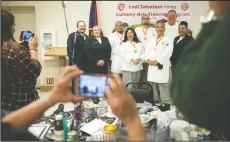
column 100, row 50
column 76, row 49
column 180, row 42
column 200, row 86
column 76, row 44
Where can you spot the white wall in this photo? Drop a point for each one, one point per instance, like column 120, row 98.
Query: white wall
column 49, row 14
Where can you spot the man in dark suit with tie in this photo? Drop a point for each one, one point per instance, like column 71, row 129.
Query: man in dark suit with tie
column 180, row 42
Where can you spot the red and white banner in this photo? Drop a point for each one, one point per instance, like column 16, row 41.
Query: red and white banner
column 131, row 12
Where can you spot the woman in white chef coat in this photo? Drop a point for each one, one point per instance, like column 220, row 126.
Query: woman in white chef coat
column 131, row 51
column 157, row 54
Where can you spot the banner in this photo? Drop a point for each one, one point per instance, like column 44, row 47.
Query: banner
column 130, row 12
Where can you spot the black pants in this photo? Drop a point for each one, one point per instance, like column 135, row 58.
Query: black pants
column 143, row 76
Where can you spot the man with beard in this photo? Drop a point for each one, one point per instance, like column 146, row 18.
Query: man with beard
column 144, row 34
column 76, row 47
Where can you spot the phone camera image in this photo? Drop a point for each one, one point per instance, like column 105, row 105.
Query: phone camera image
column 27, row 35
column 93, row 85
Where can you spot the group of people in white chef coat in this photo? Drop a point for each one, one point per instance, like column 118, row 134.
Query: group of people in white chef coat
column 143, row 54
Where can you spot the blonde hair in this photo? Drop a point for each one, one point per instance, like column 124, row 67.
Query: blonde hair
column 101, row 34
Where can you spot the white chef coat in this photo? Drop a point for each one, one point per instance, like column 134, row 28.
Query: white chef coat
column 128, row 53
column 151, row 32
column 115, row 40
column 161, row 53
column 171, row 31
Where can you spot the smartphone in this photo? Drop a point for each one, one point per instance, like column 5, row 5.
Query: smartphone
column 92, row 85
column 26, row 35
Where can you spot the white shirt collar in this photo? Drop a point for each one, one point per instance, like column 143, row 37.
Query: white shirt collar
column 99, row 40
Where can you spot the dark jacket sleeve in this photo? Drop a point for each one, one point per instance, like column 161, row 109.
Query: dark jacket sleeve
column 200, row 86
column 108, row 54
column 70, row 45
column 9, row 133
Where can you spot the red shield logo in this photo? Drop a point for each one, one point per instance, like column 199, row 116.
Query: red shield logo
column 121, row 6
column 184, row 6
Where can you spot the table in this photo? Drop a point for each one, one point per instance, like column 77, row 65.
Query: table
column 60, row 52
column 150, row 133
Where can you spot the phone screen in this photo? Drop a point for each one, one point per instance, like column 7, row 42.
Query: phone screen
column 26, row 35
column 92, row 85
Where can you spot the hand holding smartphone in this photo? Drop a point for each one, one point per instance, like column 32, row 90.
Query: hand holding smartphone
column 92, row 85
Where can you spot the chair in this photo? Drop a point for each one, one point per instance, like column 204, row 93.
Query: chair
column 141, row 93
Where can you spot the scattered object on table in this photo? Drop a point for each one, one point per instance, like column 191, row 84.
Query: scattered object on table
column 110, row 132
column 93, row 126
column 96, row 100
column 178, row 130
column 72, row 136
column 145, row 120
column 59, row 110
column 163, row 106
column 108, row 120
column 39, row 130
column 144, row 109
column 58, row 129
column 65, row 127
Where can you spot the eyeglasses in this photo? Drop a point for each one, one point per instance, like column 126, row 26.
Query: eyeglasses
column 145, row 18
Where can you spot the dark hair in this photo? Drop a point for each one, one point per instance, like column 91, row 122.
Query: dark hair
column 80, row 22
column 172, row 11
column 101, row 35
column 160, row 21
column 134, row 38
column 184, row 23
column 7, row 21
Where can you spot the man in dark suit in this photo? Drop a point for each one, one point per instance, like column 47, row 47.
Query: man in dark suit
column 180, row 42
column 76, row 43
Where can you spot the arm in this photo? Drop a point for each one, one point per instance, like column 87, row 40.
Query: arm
column 147, row 51
column 108, row 54
column 25, row 116
column 167, row 53
column 142, row 55
column 70, row 47
column 127, row 58
column 29, row 66
column 111, row 43
column 135, row 131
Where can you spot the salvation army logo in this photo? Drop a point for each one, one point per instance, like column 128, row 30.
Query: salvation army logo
column 184, row 6
column 121, row 6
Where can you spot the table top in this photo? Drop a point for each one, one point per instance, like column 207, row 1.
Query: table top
column 57, row 51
